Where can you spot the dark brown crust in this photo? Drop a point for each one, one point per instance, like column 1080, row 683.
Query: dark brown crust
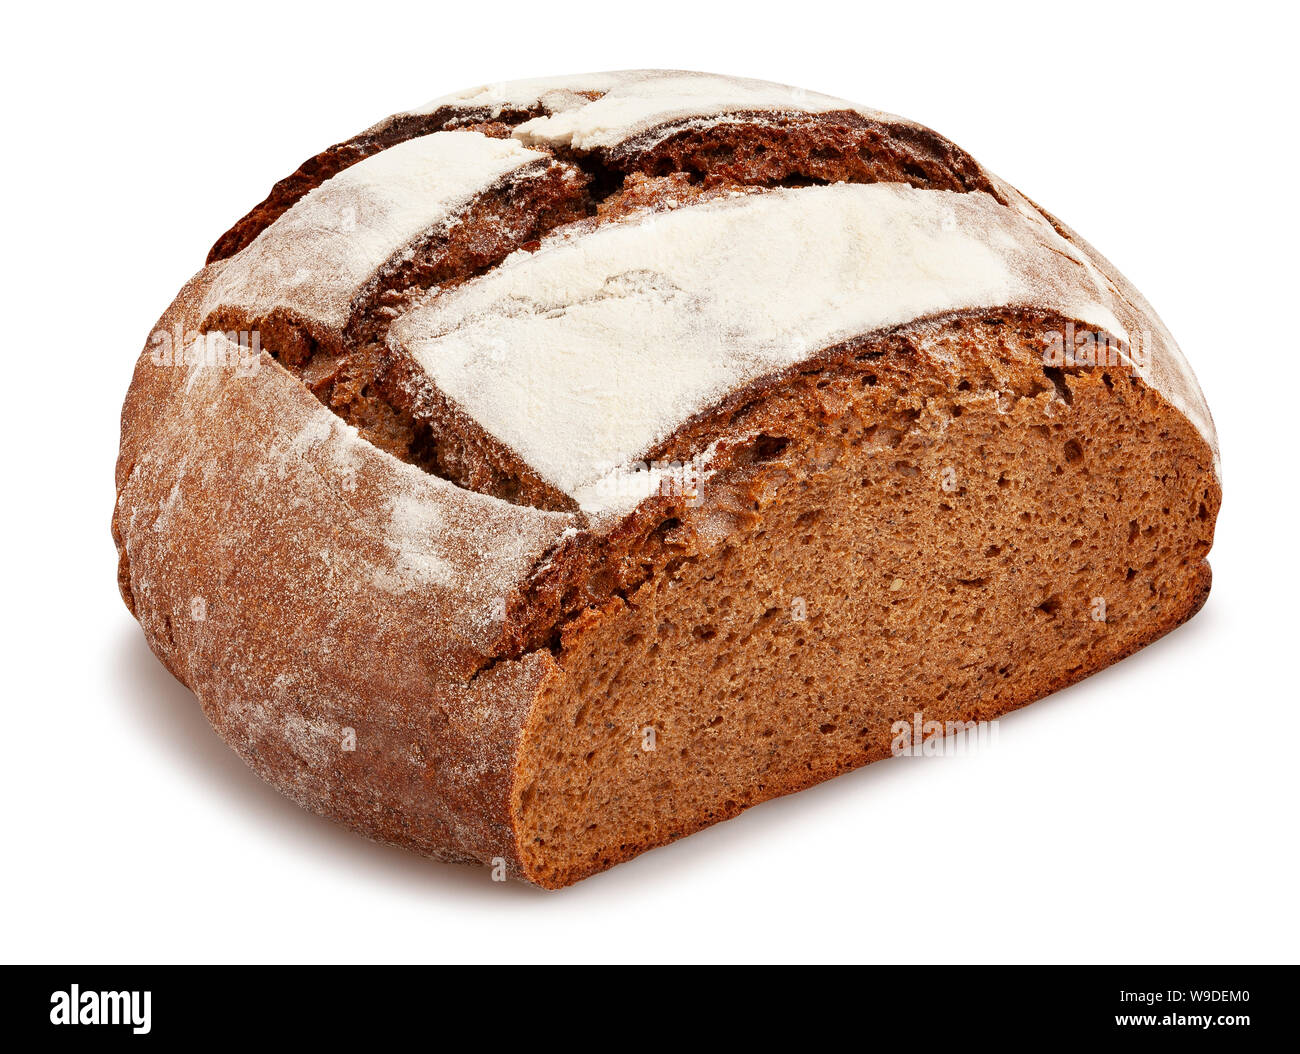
column 449, row 443
column 344, row 368
column 832, row 147
column 387, row 396
column 842, row 145
column 312, row 173
column 334, row 159
column 288, row 652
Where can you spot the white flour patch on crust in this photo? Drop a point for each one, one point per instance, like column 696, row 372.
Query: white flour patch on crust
column 314, row 260
column 414, row 533
column 632, row 104
column 639, row 101
column 553, row 94
column 581, row 356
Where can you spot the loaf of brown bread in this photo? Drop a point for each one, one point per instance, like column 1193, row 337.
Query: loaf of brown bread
column 565, row 466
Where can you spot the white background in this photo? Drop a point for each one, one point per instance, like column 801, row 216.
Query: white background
column 1148, row 814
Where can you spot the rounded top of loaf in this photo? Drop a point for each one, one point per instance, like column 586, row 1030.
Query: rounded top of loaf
column 588, row 111
column 582, row 352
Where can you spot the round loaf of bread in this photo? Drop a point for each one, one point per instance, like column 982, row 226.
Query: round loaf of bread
column 567, row 465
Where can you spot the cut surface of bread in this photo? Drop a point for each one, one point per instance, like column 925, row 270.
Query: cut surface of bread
column 893, row 545
column 627, row 449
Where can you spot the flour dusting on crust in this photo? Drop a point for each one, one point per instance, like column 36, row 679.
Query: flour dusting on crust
column 582, row 356
column 641, row 102
column 589, row 111
column 313, row 260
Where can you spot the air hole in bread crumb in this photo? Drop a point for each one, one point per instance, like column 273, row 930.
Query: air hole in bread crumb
column 666, row 527
column 1057, row 376
column 768, row 448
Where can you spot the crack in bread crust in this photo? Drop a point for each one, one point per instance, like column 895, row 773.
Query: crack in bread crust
column 836, row 147
column 917, row 155
column 346, row 368
column 335, row 159
column 384, row 394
